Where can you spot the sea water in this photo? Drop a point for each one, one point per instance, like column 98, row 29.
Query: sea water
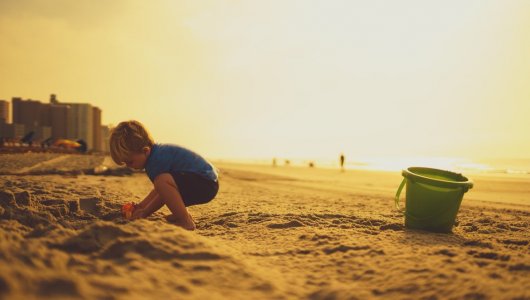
column 455, row 164
column 464, row 165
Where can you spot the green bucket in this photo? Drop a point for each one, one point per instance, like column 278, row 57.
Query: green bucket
column 433, row 198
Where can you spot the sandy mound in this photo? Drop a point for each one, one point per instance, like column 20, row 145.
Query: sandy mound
column 105, row 260
column 61, row 240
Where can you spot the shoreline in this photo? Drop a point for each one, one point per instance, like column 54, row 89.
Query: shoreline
column 478, row 167
column 487, row 188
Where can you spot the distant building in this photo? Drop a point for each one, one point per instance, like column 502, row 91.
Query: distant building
column 11, row 131
column 4, row 111
column 59, row 115
column 71, row 124
column 34, row 115
column 26, row 112
column 83, row 122
column 96, row 129
column 42, row 132
column 58, row 120
column 53, row 99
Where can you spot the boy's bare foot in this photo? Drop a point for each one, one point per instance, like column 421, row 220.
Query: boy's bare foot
column 188, row 224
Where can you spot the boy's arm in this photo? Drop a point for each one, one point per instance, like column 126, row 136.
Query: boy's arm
column 139, row 210
column 148, row 206
column 147, row 199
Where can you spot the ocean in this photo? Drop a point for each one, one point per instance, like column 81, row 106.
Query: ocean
column 462, row 165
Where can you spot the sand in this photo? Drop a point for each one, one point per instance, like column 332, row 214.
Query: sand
column 271, row 233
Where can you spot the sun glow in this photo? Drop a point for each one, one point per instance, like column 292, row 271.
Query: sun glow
column 290, row 79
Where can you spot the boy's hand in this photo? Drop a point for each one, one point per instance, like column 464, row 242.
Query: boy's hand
column 127, row 209
column 138, row 213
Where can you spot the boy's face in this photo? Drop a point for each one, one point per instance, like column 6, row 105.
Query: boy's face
column 137, row 160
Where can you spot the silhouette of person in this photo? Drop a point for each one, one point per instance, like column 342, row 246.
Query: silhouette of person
column 342, row 158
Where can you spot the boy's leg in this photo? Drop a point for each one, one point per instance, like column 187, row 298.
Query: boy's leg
column 169, row 193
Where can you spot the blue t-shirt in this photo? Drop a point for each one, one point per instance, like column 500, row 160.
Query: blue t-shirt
column 167, row 158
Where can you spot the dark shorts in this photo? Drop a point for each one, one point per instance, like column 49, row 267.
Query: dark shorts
column 195, row 189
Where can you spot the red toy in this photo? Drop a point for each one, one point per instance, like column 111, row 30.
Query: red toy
column 127, row 209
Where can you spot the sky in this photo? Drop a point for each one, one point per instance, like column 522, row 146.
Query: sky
column 306, row 79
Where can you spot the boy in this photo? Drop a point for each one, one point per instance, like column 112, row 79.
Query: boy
column 180, row 177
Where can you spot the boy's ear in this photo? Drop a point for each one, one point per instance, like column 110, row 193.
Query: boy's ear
column 146, row 150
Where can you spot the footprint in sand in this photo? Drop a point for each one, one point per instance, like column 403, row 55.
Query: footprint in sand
column 392, row 226
column 446, row 252
column 519, row 267
column 23, row 198
column 290, row 224
column 489, row 255
column 514, row 242
column 480, row 244
column 344, row 248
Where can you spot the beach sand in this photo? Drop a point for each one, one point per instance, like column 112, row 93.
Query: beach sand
column 271, row 233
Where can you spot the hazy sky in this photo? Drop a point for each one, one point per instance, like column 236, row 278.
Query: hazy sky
column 285, row 78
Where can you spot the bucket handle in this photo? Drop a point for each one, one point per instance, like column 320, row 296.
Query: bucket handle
column 401, row 209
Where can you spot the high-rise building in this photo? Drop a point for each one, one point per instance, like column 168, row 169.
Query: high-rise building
column 59, row 120
column 59, row 115
column 96, row 115
column 62, row 119
column 16, row 131
column 11, row 131
column 4, row 111
column 79, row 120
column 42, row 132
column 34, row 115
column 27, row 112
column 83, row 122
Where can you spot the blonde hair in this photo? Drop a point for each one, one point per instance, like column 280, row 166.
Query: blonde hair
column 128, row 137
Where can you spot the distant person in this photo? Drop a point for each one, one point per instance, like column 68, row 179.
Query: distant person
column 274, row 162
column 28, row 138
column 82, row 146
column 180, row 176
column 47, row 142
column 341, row 159
column 311, row 164
column 287, row 162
